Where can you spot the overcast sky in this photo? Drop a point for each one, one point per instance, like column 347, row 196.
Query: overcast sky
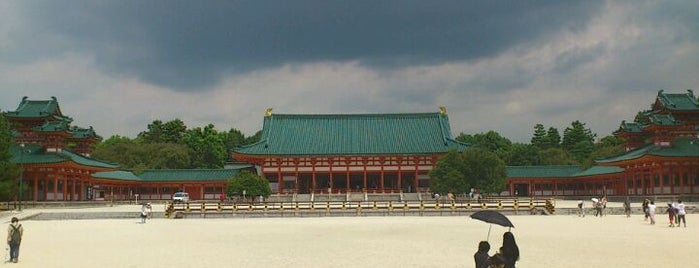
column 496, row 65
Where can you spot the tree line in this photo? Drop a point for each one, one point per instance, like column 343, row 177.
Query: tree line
column 172, row 145
column 483, row 166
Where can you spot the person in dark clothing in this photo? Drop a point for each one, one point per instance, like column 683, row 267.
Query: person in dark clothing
column 496, row 261
column 646, row 215
column 14, row 237
column 509, row 249
column 481, row 257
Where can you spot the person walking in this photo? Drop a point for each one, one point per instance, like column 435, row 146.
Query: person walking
column 145, row 210
column 14, row 238
column 671, row 214
column 603, row 205
column 651, row 212
column 581, row 210
column 509, row 250
column 645, row 204
column 598, row 208
column 627, row 208
column 681, row 214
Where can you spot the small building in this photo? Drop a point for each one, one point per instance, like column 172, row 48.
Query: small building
column 161, row 184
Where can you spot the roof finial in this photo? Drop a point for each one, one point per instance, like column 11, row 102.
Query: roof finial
column 268, row 112
column 442, row 110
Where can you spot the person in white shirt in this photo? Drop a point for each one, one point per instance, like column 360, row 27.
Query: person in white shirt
column 651, row 212
column 680, row 214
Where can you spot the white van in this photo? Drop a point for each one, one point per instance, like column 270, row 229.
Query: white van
column 180, row 197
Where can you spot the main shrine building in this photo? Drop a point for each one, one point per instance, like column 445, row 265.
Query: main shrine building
column 382, row 153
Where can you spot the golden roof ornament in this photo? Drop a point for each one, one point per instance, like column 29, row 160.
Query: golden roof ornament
column 442, row 110
column 268, row 112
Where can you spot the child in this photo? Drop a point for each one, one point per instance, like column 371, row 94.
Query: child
column 671, row 214
column 481, row 257
column 497, row 261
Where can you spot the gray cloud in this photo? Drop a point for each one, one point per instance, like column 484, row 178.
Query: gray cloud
column 496, row 65
column 189, row 45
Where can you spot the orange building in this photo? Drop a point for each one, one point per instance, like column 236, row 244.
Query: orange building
column 56, row 163
column 661, row 158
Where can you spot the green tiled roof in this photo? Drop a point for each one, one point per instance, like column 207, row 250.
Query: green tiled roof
column 559, row 172
column 84, row 133
column 38, row 109
column 354, row 134
column 52, row 126
column 34, row 154
column 599, row 170
column 116, row 175
column 630, row 127
column 542, row 171
column 681, row 101
column 681, row 147
column 664, row 120
column 159, row 175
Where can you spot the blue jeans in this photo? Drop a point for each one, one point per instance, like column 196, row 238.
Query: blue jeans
column 14, row 251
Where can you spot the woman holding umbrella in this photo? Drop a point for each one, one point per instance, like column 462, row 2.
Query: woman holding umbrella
column 509, row 249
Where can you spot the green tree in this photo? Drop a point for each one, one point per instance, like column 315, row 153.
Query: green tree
column 168, row 156
column 130, row 154
column 485, row 170
column 169, row 132
column 539, row 136
column 477, row 167
column 491, row 141
column 113, row 141
column 248, row 183
column 610, row 141
column 581, row 151
column 607, row 146
column 9, row 172
column 578, row 140
column 448, row 175
column 524, row 155
column 209, row 150
column 553, row 138
column 231, row 140
column 556, row 156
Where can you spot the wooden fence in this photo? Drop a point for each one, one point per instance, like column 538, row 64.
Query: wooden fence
column 329, row 208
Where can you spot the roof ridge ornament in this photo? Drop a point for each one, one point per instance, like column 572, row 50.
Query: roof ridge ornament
column 442, row 110
column 268, row 112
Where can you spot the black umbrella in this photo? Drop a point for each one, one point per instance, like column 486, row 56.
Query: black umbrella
column 492, row 217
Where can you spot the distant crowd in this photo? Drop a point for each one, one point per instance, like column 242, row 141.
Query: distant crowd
column 675, row 210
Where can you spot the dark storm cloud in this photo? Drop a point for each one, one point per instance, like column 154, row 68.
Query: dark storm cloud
column 190, row 44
